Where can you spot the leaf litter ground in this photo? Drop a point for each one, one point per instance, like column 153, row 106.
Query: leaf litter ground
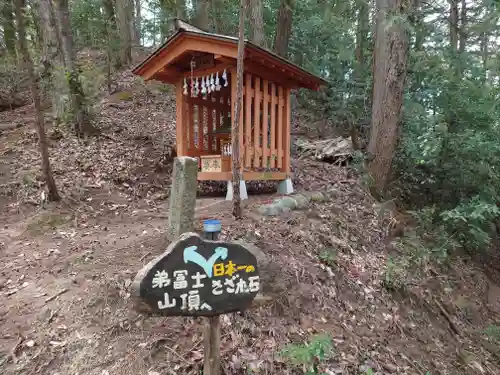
column 67, row 267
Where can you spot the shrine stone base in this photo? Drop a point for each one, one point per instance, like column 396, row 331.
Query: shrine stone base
column 243, row 190
column 285, row 187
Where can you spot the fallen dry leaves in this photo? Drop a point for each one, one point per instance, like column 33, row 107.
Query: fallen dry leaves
column 65, row 279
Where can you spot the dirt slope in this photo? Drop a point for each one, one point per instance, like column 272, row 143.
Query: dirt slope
column 67, row 268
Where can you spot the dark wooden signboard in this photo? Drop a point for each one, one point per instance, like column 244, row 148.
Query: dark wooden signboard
column 196, row 277
column 204, row 62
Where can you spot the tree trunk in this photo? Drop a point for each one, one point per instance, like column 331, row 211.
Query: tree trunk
column 9, row 31
column 217, row 16
column 124, row 13
column 362, row 28
column 379, row 69
column 484, row 38
column 235, row 130
column 386, row 111
column 417, row 20
column 79, row 112
column 463, row 29
column 454, row 27
column 112, row 33
column 284, row 27
column 256, row 22
column 51, row 55
column 180, row 6
column 361, row 37
column 35, row 16
column 50, row 50
column 53, row 194
column 137, row 23
column 202, row 14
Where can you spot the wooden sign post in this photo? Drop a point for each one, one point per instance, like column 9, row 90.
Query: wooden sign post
column 197, row 277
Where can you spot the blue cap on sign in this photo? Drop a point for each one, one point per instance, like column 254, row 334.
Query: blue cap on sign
column 211, row 226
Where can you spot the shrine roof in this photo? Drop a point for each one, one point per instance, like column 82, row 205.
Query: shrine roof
column 170, row 61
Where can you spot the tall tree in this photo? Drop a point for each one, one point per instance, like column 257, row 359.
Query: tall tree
column 378, row 68
column 360, row 76
column 37, row 27
column 53, row 194
column 202, row 19
column 52, row 56
column 9, row 31
column 256, row 22
column 124, row 15
column 362, row 27
column 111, row 34
column 454, row 26
column 217, row 15
column 283, row 27
column 77, row 98
column 386, row 110
column 235, row 130
column 180, row 7
column 463, row 28
column 137, row 23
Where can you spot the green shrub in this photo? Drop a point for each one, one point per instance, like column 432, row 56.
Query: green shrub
column 310, row 355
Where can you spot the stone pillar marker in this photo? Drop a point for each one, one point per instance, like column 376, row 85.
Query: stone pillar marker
column 182, row 197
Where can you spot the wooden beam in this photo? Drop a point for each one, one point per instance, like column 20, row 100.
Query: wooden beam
column 218, row 68
column 185, row 45
column 165, row 78
column 262, row 71
column 164, row 58
column 247, row 176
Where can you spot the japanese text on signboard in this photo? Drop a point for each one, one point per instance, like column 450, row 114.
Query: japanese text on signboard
column 199, row 277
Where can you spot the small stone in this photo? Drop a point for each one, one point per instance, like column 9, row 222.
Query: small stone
column 270, row 210
column 389, row 367
column 333, row 192
column 286, row 202
column 301, row 201
column 318, row 197
column 30, row 343
column 363, row 369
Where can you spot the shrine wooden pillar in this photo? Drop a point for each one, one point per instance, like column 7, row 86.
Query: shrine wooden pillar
column 288, row 133
column 180, row 120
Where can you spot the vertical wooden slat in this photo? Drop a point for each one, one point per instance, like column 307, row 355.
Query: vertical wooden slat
column 288, row 132
column 200, row 128
column 248, row 120
column 273, row 125
column 241, row 133
column 265, row 122
column 219, row 111
column 257, row 150
column 210, row 122
column 179, row 124
column 281, row 126
column 190, row 125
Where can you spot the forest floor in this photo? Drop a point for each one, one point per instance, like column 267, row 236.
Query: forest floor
column 67, row 267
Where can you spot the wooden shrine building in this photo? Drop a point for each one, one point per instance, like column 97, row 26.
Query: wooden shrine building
column 202, row 66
